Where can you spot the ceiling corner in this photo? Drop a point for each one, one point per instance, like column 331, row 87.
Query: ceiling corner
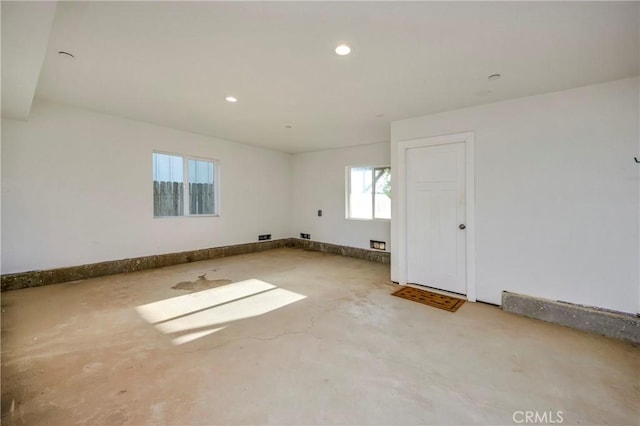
column 25, row 36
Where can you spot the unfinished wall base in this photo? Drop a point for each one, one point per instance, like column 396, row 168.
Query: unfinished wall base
column 93, row 270
column 611, row 324
column 360, row 253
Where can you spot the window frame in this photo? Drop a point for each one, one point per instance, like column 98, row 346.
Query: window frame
column 187, row 191
column 373, row 193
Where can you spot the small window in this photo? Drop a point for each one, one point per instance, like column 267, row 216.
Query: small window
column 369, row 192
column 170, row 195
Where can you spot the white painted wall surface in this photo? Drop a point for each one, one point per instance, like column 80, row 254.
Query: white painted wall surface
column 319, row 184
column 557, row 193
column 77, row 189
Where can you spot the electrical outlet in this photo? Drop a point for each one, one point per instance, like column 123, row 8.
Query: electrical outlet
column 264, row 237
column 377, row 245
column 305, row 236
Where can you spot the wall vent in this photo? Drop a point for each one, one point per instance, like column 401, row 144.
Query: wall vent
column 378, row 245
column 264, row 237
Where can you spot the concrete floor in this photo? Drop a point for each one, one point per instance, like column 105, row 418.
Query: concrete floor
column 298, row 337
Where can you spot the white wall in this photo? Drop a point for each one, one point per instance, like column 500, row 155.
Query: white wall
column 77, row 189
column 557, row 193
column 319, row 184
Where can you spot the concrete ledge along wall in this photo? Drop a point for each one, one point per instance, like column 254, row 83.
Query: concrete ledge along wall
column 71, row 273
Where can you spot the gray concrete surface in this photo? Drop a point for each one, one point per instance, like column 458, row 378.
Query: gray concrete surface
column 607, row 323
column 289, row 336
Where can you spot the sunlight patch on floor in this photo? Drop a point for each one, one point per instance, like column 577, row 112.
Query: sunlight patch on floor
column 195, row 315
column 189, row 337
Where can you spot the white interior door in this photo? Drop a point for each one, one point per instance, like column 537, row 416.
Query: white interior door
column 436, row 239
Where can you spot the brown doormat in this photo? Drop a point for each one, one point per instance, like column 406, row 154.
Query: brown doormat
column 425, row 297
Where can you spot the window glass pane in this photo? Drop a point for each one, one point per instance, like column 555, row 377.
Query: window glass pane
column 167, row 168
column 168, row 185
column 383, row 207
column 382, row 200
column 201, row 183
column 360, row 199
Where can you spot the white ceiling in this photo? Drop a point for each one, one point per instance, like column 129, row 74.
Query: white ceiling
column 173, row 63
column 25, row 32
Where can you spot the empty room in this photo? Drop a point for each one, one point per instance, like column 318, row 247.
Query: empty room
column 318, row 213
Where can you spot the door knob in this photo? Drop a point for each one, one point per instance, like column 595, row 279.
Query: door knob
column 462, row 226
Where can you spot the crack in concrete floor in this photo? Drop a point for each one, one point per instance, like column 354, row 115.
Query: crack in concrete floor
column 306, row 330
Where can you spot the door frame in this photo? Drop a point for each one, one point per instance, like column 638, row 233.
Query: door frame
column 468, row 138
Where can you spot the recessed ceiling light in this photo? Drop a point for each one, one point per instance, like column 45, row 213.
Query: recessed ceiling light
column 493, row 77
column 343, row 50
column 66, row 54
column 231, row 99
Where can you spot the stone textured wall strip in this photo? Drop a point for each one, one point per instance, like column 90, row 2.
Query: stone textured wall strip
column 595, row 320
column 59, row 275
column 93, row 270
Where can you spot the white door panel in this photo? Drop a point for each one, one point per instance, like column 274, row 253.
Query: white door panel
column 436, row 247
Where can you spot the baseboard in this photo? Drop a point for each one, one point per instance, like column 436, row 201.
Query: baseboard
column 607, row 323
column 93, row 270
column 359, row 253
column 72, row 273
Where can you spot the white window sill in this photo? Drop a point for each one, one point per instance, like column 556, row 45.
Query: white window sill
column 368, row 220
